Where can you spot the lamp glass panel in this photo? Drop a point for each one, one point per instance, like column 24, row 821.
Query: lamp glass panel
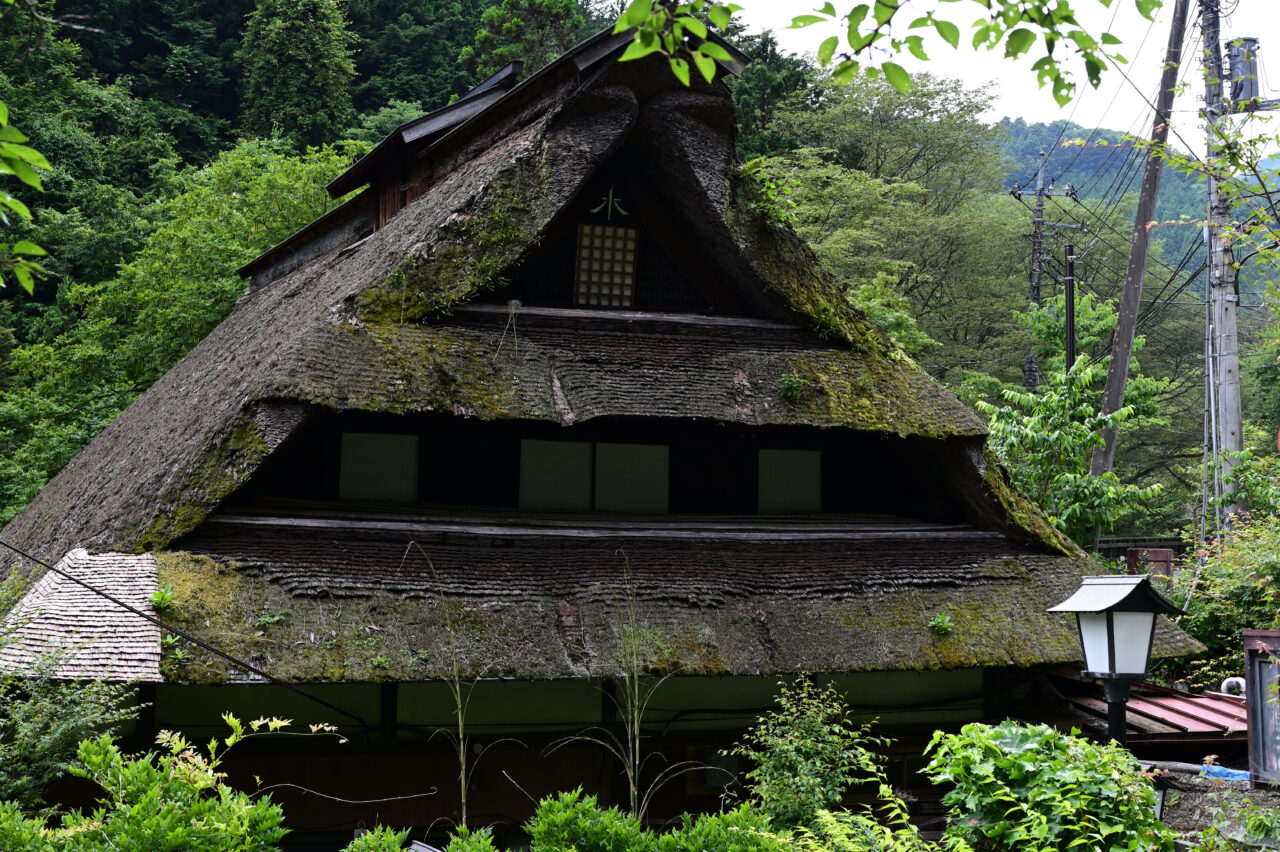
column 1133, row 641
column 1093, row 636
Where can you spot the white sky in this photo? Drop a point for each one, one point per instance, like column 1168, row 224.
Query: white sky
column 1116, row 105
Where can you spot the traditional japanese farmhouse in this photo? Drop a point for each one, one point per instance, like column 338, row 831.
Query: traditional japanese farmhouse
column 554, row 398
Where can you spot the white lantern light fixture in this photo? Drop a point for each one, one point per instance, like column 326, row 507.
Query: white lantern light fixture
column 1116, row 615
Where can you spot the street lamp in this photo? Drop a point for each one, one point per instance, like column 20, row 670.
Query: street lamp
column 1117, row 619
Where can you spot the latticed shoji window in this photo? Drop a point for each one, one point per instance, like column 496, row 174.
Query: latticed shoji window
column 606, row 271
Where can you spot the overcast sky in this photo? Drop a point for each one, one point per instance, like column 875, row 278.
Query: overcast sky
column 1116, row 105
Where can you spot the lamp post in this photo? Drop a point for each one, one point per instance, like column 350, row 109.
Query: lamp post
column 1117, row 620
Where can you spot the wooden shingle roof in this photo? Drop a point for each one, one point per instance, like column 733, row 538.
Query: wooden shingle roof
column 83, row 635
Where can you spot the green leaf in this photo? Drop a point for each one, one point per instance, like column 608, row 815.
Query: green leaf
column 1018, row 42
column 25, row 278
column 681, row 69
column 950, row 32
column 4, row 111
column 638, row 50
column 826, row 50
column 915, row 44
column 28, row 247
column 1148, row 8
column 635, row 15
column 720, row 16
column 1108, row 38
column 897, row 76
column 706, row 66
column 828, row 9
column 11, row 134
column 885, row 10
column 694, row 26
column 845, row 72
column 802, row 21
column 16, row 206
column 715, row 51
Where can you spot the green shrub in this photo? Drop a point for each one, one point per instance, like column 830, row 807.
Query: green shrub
column 381, row 839
column 466, row 840
column 1034, row 789
column 742, row 830
column 806, row 754
column 572, row 821
column 1236, row 588
column 860, row 831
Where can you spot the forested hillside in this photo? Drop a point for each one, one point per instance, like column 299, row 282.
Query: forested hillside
column 187, row 137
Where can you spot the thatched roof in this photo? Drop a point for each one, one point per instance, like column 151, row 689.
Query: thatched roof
column 388, row 325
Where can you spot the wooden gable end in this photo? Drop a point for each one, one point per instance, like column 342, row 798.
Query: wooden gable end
column 620, row 246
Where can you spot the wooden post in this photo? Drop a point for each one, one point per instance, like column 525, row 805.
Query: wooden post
column 1131, row 298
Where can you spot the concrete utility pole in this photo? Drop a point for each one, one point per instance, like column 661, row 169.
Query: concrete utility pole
column 1224, row 290
column 1131, row 297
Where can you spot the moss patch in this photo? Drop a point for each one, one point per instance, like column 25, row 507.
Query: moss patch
column 1021, row 512
column 471, row 252
column 369, row 638
column 222, row 467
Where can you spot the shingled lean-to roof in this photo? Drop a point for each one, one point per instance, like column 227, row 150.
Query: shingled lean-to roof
column 384, row 326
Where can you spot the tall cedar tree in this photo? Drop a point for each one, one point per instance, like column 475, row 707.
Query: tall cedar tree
column 531, row 31
column 296, row 69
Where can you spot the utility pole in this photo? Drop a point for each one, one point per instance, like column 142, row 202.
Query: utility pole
column 1224, row 289
column 1131, row 296
column 1044, row 189
column 1069, row 292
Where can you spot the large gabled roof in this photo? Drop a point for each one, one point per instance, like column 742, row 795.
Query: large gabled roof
column 368, row 328
column 388, row 324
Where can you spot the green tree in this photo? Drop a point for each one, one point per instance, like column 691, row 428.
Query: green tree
column 131, row 329
column 1046, row 436
column 530, row 31
column 407, row 50
column 771, row 79
column 287, row 42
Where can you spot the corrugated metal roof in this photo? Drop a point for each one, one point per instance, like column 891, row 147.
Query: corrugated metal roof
column 89, row 636
column 1158, row 714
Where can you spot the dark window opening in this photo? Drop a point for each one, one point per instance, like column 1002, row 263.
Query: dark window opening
column 640, row 466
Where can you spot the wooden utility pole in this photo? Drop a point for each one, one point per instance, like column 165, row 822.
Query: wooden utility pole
column 1224, row 289
column 1030, row 367
column 1131, row 297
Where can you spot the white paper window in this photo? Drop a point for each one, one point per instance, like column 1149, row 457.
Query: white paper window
column 632, row 478
column 790, row 482
column 377, row 466
column 606, row 266
column 555, row 475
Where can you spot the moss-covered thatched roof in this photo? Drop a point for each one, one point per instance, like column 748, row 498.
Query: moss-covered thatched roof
column 388, row 325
